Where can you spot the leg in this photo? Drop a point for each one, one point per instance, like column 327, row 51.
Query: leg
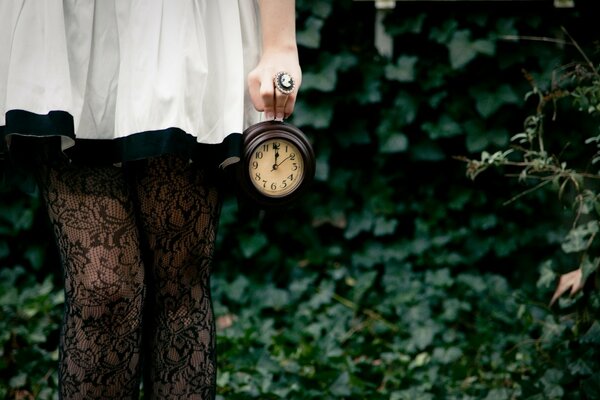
column 179, row 211
column 98, row 242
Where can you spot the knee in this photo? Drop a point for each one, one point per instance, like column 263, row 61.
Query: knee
column 104, row 291
column 115, row 309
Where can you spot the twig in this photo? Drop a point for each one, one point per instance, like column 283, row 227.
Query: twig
column 590, row 63
column 536, row 187
column 371, row 314
column 515, row 38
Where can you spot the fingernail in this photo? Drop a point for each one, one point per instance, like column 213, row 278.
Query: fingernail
column 269, row 115
column 279, row 116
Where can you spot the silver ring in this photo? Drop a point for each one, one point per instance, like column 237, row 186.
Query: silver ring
column 284, row 82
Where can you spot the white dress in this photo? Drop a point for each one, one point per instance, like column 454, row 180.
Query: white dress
column 127, row 79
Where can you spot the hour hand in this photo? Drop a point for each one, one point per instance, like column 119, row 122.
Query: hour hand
column 276, row 148
column 282, row 161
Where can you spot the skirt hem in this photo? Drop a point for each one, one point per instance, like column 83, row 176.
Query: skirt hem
column 29, row 139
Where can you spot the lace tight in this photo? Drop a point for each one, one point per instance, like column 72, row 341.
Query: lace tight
column 136, row 243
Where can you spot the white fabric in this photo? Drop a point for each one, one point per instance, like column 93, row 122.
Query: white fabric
column 126, row 66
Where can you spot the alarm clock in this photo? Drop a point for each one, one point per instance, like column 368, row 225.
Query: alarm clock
column 277, row 164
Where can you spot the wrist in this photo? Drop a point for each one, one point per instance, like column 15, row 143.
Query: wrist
column 280, row 48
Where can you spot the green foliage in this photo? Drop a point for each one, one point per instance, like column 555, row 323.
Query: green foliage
column 539, row 160
column 394, row 277
column 31, row 314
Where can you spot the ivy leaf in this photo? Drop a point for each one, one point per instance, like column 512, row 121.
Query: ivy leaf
column 403, row 70
column 591, row 386
column 371, row 92
column 252, row 244
column 341, row 386
column 371, row 254
column 547, row 275
column 551, row 382
column 592, row 335
column 358, row 223
column 588, row 267
column 447, row 356
column 487, row 47
column 580, row 367
column 385, row 226
column 272, row 297
column 395, row 143
column 444, row 33
column 477, row 141
column 403, row 112
column 463, row 50
column 324, row 78
column 440, row 278
column 488, row 101
column 578, row 238
column 445, row 127
column 322, row 166
column 422, row 336
column 506, row 26
column 35, row 255
column 391, row 139
column 499, row 394
column 408, row 25
column 237, row 289
column 321, row 8
column 310, row 36
column 363, row 285
column 575, row 280
column 17, row 217
column 18, row 380
column 571, row 280
column 315, row 115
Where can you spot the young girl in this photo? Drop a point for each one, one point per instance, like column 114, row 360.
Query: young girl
column 127, row 111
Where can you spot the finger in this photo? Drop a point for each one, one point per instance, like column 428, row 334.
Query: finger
column 267, row 95
column 281, row 100
column 254, row 90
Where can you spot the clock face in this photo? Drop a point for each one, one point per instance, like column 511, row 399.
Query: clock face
column 276, row 167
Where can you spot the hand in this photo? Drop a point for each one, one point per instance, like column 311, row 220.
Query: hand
column 263, row 93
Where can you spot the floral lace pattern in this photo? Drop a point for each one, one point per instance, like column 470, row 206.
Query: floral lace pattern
column 136, row 243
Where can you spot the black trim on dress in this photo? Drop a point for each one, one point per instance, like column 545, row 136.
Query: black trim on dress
column 36, row 138
column 29, row 140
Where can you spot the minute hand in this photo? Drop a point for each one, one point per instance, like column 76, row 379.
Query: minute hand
column 282, row 161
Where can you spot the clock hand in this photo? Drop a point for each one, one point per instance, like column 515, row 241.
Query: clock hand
column 284, row 160
column 276, row 148
column 275, row 166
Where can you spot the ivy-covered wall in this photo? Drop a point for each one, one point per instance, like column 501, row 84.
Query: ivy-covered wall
column 395, row 277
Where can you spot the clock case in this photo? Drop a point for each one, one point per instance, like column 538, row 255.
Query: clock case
column 253, row 138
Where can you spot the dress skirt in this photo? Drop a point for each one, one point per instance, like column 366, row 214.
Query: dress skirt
column 110, row 81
